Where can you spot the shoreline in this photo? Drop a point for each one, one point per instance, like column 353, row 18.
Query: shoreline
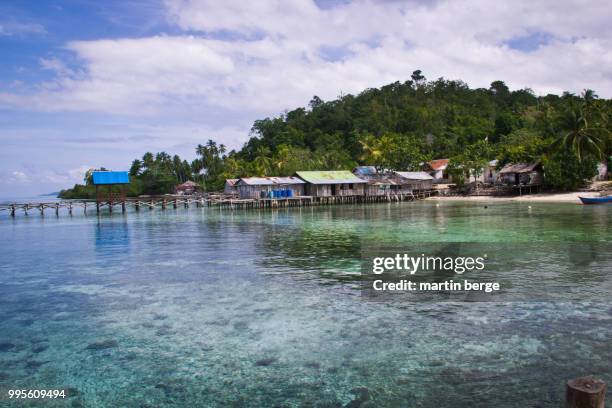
column 540, row 197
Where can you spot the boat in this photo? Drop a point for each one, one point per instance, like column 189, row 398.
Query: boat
column 596, row 200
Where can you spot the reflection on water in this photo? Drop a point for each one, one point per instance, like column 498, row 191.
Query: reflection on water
column 112, row 237
column 201, row 308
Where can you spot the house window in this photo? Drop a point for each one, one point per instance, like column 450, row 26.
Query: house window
column 350, row 186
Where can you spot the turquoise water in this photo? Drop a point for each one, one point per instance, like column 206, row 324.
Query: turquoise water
column 197, row 307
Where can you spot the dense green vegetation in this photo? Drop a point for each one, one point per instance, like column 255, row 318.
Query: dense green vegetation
column 398, row 127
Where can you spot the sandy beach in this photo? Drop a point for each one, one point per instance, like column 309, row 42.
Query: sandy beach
column 542, row 197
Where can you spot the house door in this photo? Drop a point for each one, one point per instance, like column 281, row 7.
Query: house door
column 333, row 189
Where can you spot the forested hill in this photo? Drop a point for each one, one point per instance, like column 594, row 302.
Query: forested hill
column 401, row 125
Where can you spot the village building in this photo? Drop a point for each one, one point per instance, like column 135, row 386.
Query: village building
column 332, row 183
column 524, row 177
column 110, row 179
column 230, row 186
column 270, row 187
column 396, row 183
column 188, row 188
column 438, row 170
column 415, row 180
column 488, row 174
column 378, row 183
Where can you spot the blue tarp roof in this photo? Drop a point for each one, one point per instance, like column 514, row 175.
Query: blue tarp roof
column 110, row 177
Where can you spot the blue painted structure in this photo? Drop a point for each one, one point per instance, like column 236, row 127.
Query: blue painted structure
column 110, row 177
column 596, row 200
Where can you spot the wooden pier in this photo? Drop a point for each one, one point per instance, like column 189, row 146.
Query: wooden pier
column 222, row 202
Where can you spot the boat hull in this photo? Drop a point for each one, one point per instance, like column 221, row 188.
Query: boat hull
column 596, row 200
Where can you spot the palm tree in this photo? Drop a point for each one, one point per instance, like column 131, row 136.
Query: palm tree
column 262, row 160
column 371, row 151
column 578, row 133
column 283, row 157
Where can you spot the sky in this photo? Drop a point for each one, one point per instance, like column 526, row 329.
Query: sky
column 98, row 83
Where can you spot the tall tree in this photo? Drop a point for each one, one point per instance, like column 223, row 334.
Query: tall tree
column 582, row 131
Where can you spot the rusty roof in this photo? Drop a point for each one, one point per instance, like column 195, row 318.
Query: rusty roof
column 519, row 168
column 438, row 164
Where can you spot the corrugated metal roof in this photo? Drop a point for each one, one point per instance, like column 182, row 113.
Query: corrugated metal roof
column 110, row 177
column 269, row 181
column 519, row 167
column 231, row 182
column 414, row 175
column 384, row 181
column 329, row 177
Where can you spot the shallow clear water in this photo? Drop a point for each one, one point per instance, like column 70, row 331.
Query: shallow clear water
column 199, row 307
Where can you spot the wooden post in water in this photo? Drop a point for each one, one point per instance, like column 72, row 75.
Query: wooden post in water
column 85, row 207
column 123, row 206
column 585, row 392
column 12, row 210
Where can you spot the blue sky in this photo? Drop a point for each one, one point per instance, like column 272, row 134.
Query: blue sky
column 88, row 83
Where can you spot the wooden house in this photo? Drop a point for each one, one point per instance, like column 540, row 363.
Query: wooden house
column 521, row 174
column 332, row 183
column 378, row 183
column 270, row 187
column 187, row 188
column 415, row 180
column 230, row 186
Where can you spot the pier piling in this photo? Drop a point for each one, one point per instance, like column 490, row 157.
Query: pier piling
column 222, row 202
column 585, row 392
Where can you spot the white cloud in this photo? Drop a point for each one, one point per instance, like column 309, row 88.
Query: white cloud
column 259, row 58
column 12, row 28
column 229, row 63
column 56, row 65
column 53, row 177
column 68, row 177
column 19, row 177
